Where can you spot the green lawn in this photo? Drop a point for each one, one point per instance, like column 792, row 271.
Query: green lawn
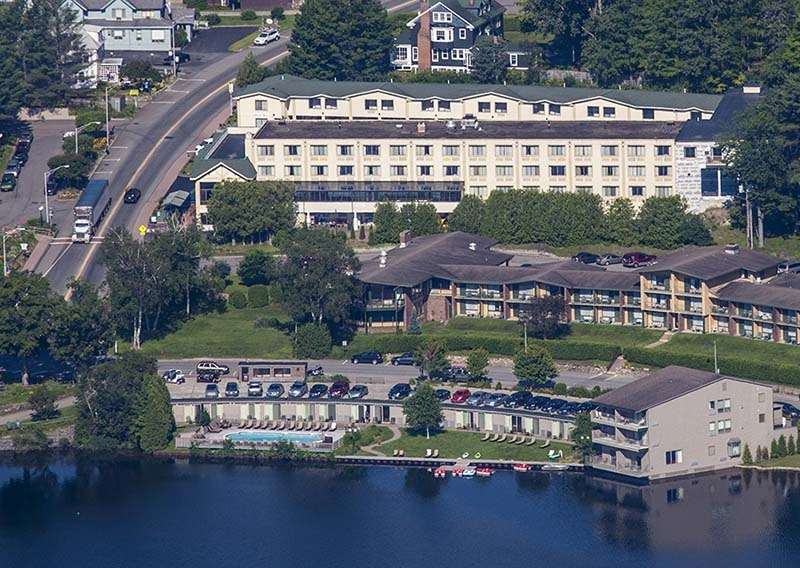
column 788, row 247
column 372, row 434
column 727, row 346
column 67, row 417
column 17, row 393
column 786, row 461
column 229, row 334
column 243, row 43
column 6, row 151
column 453, row 444
column 624, row 336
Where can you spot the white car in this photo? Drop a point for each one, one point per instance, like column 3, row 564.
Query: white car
column 267, row 36
column 174, row 376
column 212, row 367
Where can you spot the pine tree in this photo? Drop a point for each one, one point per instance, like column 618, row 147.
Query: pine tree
column 747, row 458
column 791, row 448
column 621, row 222
column 12, row 89
column 774, row 451
column 154, row 422
column 489, row 60
column 782, row 449
column 467, row 216
column 387, row 224
column 758, row 454
column 250, row 72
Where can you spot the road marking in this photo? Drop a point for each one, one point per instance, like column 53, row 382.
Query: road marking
column 164, row 102
column 112, row 159
column 175, row 91
column 59, row 257
column 118, row 148
column 197, row 80
column 105, row 172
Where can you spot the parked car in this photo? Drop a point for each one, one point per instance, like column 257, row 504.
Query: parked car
column 495, row 400
column 358, row 391
column 8, row 183
column 254, row 388
column 537, row 402
column 518, row 399
column 213, row 366
column 790, row 410
column 13, row 168
column 212, row 391
column 180, row 57
column 231, row 389
column 586, row 258
column 367, row 357
column 476, row 398
column 457, row 374
column 442, row 394
column 460, row 396
column 404, row 359
column 298, row 389
column 174, row 376
column 339, row 389
column 789, row 266
column 52, row 186
column 315, row 371
column 132, row 195
column 21, row 156
column 318, row 391
column 554, row 405
column 267, row 36
column 400, row 391
column 207, row 377
column 586, row 406
column 275, row 390
column 607, row 259
column 637, row 259
column 23, row 146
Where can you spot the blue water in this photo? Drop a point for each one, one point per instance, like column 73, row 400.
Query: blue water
column 66, row 514
column 274, row 437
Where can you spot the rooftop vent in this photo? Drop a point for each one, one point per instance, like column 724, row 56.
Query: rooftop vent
column 473, row 246
column 383, row 259
column 751, row 89
column 732, row 249
column 450, row 124
column 421, row 128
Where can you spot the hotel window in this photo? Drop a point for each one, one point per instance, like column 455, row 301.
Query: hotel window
column 723, row 405
column 610, row 191
column 372, row 150
column 530, row 171
column 762, row 418
column 397, row 150
column 555, row 110
column 425, row 170
column 662, row 171
column 648, row 113
column 583, row 151
column 345, row 170
column 609, row 171
column 331, row 103
column 444, row 106
column 504, row 171
column 637, row 171
column 266, row 171
column 501, row 108
column 663, row 190
column 371, row 104
column 557, row 188
column 462, row 33
column 477, row 171
column 609, row 112
column 593, row 111
column 260, row 122
column 637, row 191
column 503, row 151
column 427, row 105
column 158, row 36
column 690, row 152
column 583, row 188
column 608, row 151
column 583, row 171
column 558, row 171
column 424, row 150
column 762, row 397
column 724, row 426
column 315, row 102
column 662, row 150
column 673, row 457
column 712, row 450
column 319, row 150
column 479, row 190
column 451, row 170
column 319, row 170
column 712, row 428
column 477, row 151
column 387, row 104
column 291, row 150
column 138, row 35
column 397, row 171
column 345, row 150
column 372, row 171
column 292, row 171
column 484, row 107
column 504, row 188
column 264, row 150
column 636, row 151
column 261, row 105
column 529, row 150
column 556, row 151
column 118, row 34
column 538, row 108
column 450, row 151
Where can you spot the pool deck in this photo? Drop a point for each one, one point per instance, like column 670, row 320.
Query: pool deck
column 216, row 439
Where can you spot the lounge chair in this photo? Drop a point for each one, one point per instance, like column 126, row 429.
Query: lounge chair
column 401, row 453
column 555, row 454
column 512, row 440
column 291, row 425
column 531, row 442
column 435, row 454
column 395, row 453
column 309, row 425
column 428, row 453
column 486, row 437
column 265, row 424
column 494, row 437
column 270, row 425
column 332, row 427
column 546, row 444
column 502, row 438
column 465, row 455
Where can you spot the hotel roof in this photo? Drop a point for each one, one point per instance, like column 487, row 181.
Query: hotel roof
column 768, row 294
column 707, row 263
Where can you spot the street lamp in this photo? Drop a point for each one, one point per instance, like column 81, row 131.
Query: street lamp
column 79, row 128
column 46, row 176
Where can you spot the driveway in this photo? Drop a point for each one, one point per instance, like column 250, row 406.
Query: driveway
column 217, row 40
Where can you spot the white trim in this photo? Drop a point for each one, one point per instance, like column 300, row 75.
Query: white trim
column 411, row 23
column 220, row 165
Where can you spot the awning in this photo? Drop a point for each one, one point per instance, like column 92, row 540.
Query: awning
column 176, row 199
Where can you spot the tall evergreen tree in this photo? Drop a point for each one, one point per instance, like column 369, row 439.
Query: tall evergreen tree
column 12, row 86
column 250, row 72
column 489, row 60
column 387, row 224
column 467, row 216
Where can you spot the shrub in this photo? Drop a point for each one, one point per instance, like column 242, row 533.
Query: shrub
column 560, row 389
column 238, row 299
column 43, row 403
column 312, row 340
column 213, row 20
column 257, row 267
column 340, row 378
column 277, row 13
column 272, row 322
column 221, row 269
column 258, row 296
column 248, row 15
column 484, row 324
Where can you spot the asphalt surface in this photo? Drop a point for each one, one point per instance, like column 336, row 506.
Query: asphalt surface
column 216, row 40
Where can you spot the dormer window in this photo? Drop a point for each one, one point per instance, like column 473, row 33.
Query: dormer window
column 442, row 17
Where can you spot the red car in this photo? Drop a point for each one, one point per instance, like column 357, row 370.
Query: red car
column 339, row 389
column 637, row 259
column 460, row 396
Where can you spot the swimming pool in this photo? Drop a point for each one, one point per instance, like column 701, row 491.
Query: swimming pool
column 294, row 437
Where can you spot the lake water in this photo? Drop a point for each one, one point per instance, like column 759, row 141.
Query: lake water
column 96, row 514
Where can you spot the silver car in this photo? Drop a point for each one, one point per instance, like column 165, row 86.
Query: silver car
column 298, row 389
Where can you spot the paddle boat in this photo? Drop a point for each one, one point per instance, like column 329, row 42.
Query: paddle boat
column 484, row 472
column 469, row 472
column 440, row 472
column 521, row 467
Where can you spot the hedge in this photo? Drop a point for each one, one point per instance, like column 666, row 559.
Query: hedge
column 238, row 299
column 485, row 324
column 785, row 373
column 258, row 296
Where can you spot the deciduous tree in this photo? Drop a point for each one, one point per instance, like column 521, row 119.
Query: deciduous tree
column 477, row 361
column 253, row 210
column 257, row 267
column 489, row 60
column 250, row 72
column 431, row 357
column 536, row 363
column 467, row 216
column 422, row 410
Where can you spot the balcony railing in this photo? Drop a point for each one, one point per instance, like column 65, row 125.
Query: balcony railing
column 469, row 293
column 618, row 420
column 619, row 441
column 492, row 294
column 719, row 309
column 658, row 287
column 694, row 309
column 657, row 305
column 763, row 316
column 789, row 319
column 606, row 463
column 744, row 314
column 385, row 304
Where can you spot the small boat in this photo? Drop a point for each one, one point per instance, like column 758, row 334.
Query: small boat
column 555, row 467
column 440, row 472
column 484, row 472
column 521, row 467
column 457, row 471
column 469, row 472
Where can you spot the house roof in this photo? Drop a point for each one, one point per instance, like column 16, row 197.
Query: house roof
column 657, row 388
column 286, row 86
column 143, row 23
column 468, row 10
column 732, row 103
column 767, row 294
column 225, row 150
column 707, row 263
column 138, row 4
column 519, row 130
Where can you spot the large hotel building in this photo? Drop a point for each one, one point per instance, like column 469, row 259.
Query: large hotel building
column 347, row 146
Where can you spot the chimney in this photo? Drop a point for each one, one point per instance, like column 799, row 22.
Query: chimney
column 732, row 249
column 473, row 246
column 383, row 259
column 424, row 37
column 405, row 238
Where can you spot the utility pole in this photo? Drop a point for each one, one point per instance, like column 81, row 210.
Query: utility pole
column 172, row 45
column 108, row 128
column 749, row 214
column 716, row 364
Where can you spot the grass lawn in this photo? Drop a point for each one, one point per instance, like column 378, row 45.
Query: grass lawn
column 6, row 151
column 243, row 43
column 763, row 351
column 788, row 247
column 372, row 434
column 67, row 417
column 452, row 444
column 624, row 336
column 17, row 393
column 285, row 26
column 786, row 461
column 229, row 334
column 229, row 249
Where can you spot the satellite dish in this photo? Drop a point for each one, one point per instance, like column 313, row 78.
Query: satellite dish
column 269, row 21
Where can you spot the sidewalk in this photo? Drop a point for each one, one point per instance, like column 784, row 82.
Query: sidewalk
column 24, row 415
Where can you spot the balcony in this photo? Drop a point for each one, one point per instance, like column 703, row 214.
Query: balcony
column 523, row 295
column 789, row 319
column 619, row 421
column 492, row 294
column 658, row 286
column 744, row 314
column 664, row 306
column 612, row 465
column 765, row 316
column 620, row 442
column 584, row 300
column 715, row 309
column 694, row 308
column 469, row 293
column 385, row 304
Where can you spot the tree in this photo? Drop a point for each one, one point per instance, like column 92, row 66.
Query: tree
column 791, row 447
column 76, row 175
column 660, row 221
column 611, row 50
column 341, row 39
column 431, row 357
column 489, row 60
column 747, row 458
column 582, row 435
column 782, row 449
column 277, row 14
column 387, row 224
column 12, row 86
column 317, row 277
column 467, row 216
column 251, row 210
column 250, row 72
column 420, row 218
column 477, row 361
column 312, row 340
column 154, row 424
column 140, row 70
column 43, row 403
column 621, row 222
column 27, row 306
column 774, row 451
column 567, row 20
column 694, row 231
column 536, row 363
column 257, row 267
column 422, row 410
column 543, row 318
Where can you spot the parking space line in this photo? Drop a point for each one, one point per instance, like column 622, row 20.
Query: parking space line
column 197, row 80
column 118, row 148
column 175, row 91
column 105, row 172
column 164, row 102
column 112, row 159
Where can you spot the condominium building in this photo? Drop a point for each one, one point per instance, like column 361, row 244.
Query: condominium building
column 680, row 421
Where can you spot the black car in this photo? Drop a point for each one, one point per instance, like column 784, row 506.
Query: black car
column 400, row 391
column 790, row 410
column 537, row 402
column 21, row 156
column 608, row 259
column 52, row 186
column 586, row 258
column 318, row 391
column 8, row 182
column 132, row 195
column 367, row 357
column 275, row 390
column 442, row 394
column 457, row 374
column 207, row 377
column 404, row 359
column 519, row 399
column 180, row 57
column 231, row 389
column 554, row 405
column 358, row 391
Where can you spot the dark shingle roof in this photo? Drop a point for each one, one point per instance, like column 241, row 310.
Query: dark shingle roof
column 286, row 86
column 706, row 263
column 224, row 150
column 657, row 388
column 732, row 103
column 786, row 280
column 761, row 294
